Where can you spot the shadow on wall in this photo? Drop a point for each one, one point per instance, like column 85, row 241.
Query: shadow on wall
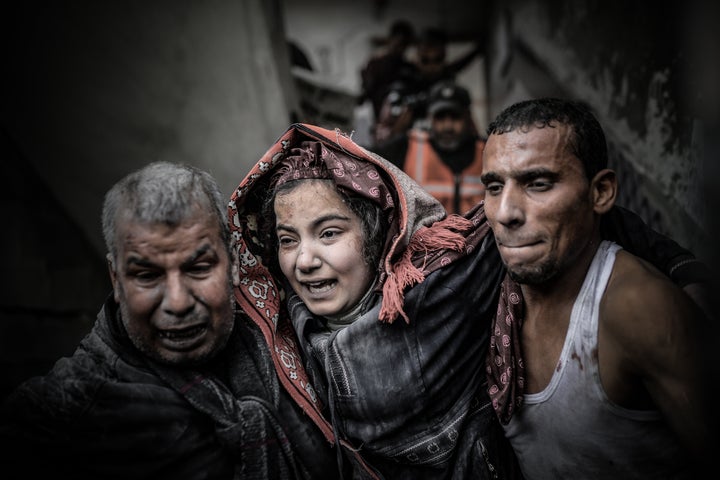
column 54, row 280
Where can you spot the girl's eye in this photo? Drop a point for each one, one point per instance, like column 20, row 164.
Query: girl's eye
column 287, row 242
column 330, row 234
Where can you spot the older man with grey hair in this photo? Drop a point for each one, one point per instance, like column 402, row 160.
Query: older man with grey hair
column 172, row 381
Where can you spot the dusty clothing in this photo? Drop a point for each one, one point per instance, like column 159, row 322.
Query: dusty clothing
column 403, row 385
column 110, row 412
column 598, row 439
column 456, row 185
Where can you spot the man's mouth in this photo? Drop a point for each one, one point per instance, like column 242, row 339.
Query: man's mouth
column 182, row 333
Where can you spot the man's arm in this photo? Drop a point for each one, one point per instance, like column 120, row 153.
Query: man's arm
column 660, row 339
column 456, row 66
column 626, row 228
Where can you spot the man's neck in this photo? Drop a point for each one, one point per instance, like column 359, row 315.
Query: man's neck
column 562, row 290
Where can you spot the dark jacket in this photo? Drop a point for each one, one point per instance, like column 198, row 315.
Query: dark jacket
column 108, row 412
column 411, row 395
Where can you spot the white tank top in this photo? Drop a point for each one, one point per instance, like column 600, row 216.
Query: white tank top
column 571, row 430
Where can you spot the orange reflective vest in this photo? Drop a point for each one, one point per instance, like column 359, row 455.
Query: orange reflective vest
column 424, row 165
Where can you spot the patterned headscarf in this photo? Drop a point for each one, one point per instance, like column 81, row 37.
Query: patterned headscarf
column 306, row 151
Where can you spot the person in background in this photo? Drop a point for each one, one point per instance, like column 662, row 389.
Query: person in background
column 173, row 381
column 404, row 104
column 387, row 66
column 431, row 60
column 446, row 160
column 597, row 366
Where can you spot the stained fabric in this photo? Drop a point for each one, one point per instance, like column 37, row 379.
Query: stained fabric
column 505, row 367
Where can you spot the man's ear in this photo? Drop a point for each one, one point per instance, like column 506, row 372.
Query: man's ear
column 604, row 190
column 113, row 275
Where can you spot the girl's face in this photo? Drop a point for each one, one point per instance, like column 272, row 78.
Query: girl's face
column 320, row 248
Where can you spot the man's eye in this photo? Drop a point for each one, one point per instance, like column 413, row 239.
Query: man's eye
column 199, row 268
column 493, row 188
column 540, row 185
column 145, row 276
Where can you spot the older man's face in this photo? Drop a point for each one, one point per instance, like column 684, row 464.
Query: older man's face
column 174, row 289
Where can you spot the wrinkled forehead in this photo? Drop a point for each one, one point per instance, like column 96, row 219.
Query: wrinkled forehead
column 129, row 226
column 530, row 146
column 555, row 136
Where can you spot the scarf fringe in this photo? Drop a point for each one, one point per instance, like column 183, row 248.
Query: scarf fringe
column 442, row 235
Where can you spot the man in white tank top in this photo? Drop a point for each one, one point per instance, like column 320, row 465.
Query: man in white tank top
column 610, row 382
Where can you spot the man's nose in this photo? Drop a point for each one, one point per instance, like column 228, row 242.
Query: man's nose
column 510, row 208
column 178, row 297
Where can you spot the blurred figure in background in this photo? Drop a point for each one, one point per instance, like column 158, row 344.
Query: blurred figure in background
column 445, row 159
column 406, row 101
column 388, row 66
column 431, row 61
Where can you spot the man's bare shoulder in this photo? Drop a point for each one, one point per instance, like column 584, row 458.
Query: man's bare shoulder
column 641, row 303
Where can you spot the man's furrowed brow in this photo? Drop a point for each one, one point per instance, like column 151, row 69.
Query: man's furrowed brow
column 490, row 177
column 199, row 253
column 140, row 262
column 532, row 174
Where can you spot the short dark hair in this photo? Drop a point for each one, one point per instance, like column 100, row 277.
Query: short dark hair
column 588, row 142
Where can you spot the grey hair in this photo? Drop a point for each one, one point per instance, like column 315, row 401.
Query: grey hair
column 166, row 193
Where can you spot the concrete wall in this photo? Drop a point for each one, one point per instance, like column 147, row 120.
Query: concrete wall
column 629, row 61
column 92, row 90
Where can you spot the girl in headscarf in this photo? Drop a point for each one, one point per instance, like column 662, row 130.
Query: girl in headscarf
column 376, row 304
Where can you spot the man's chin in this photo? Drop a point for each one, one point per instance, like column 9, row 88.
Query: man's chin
column 529, row 276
